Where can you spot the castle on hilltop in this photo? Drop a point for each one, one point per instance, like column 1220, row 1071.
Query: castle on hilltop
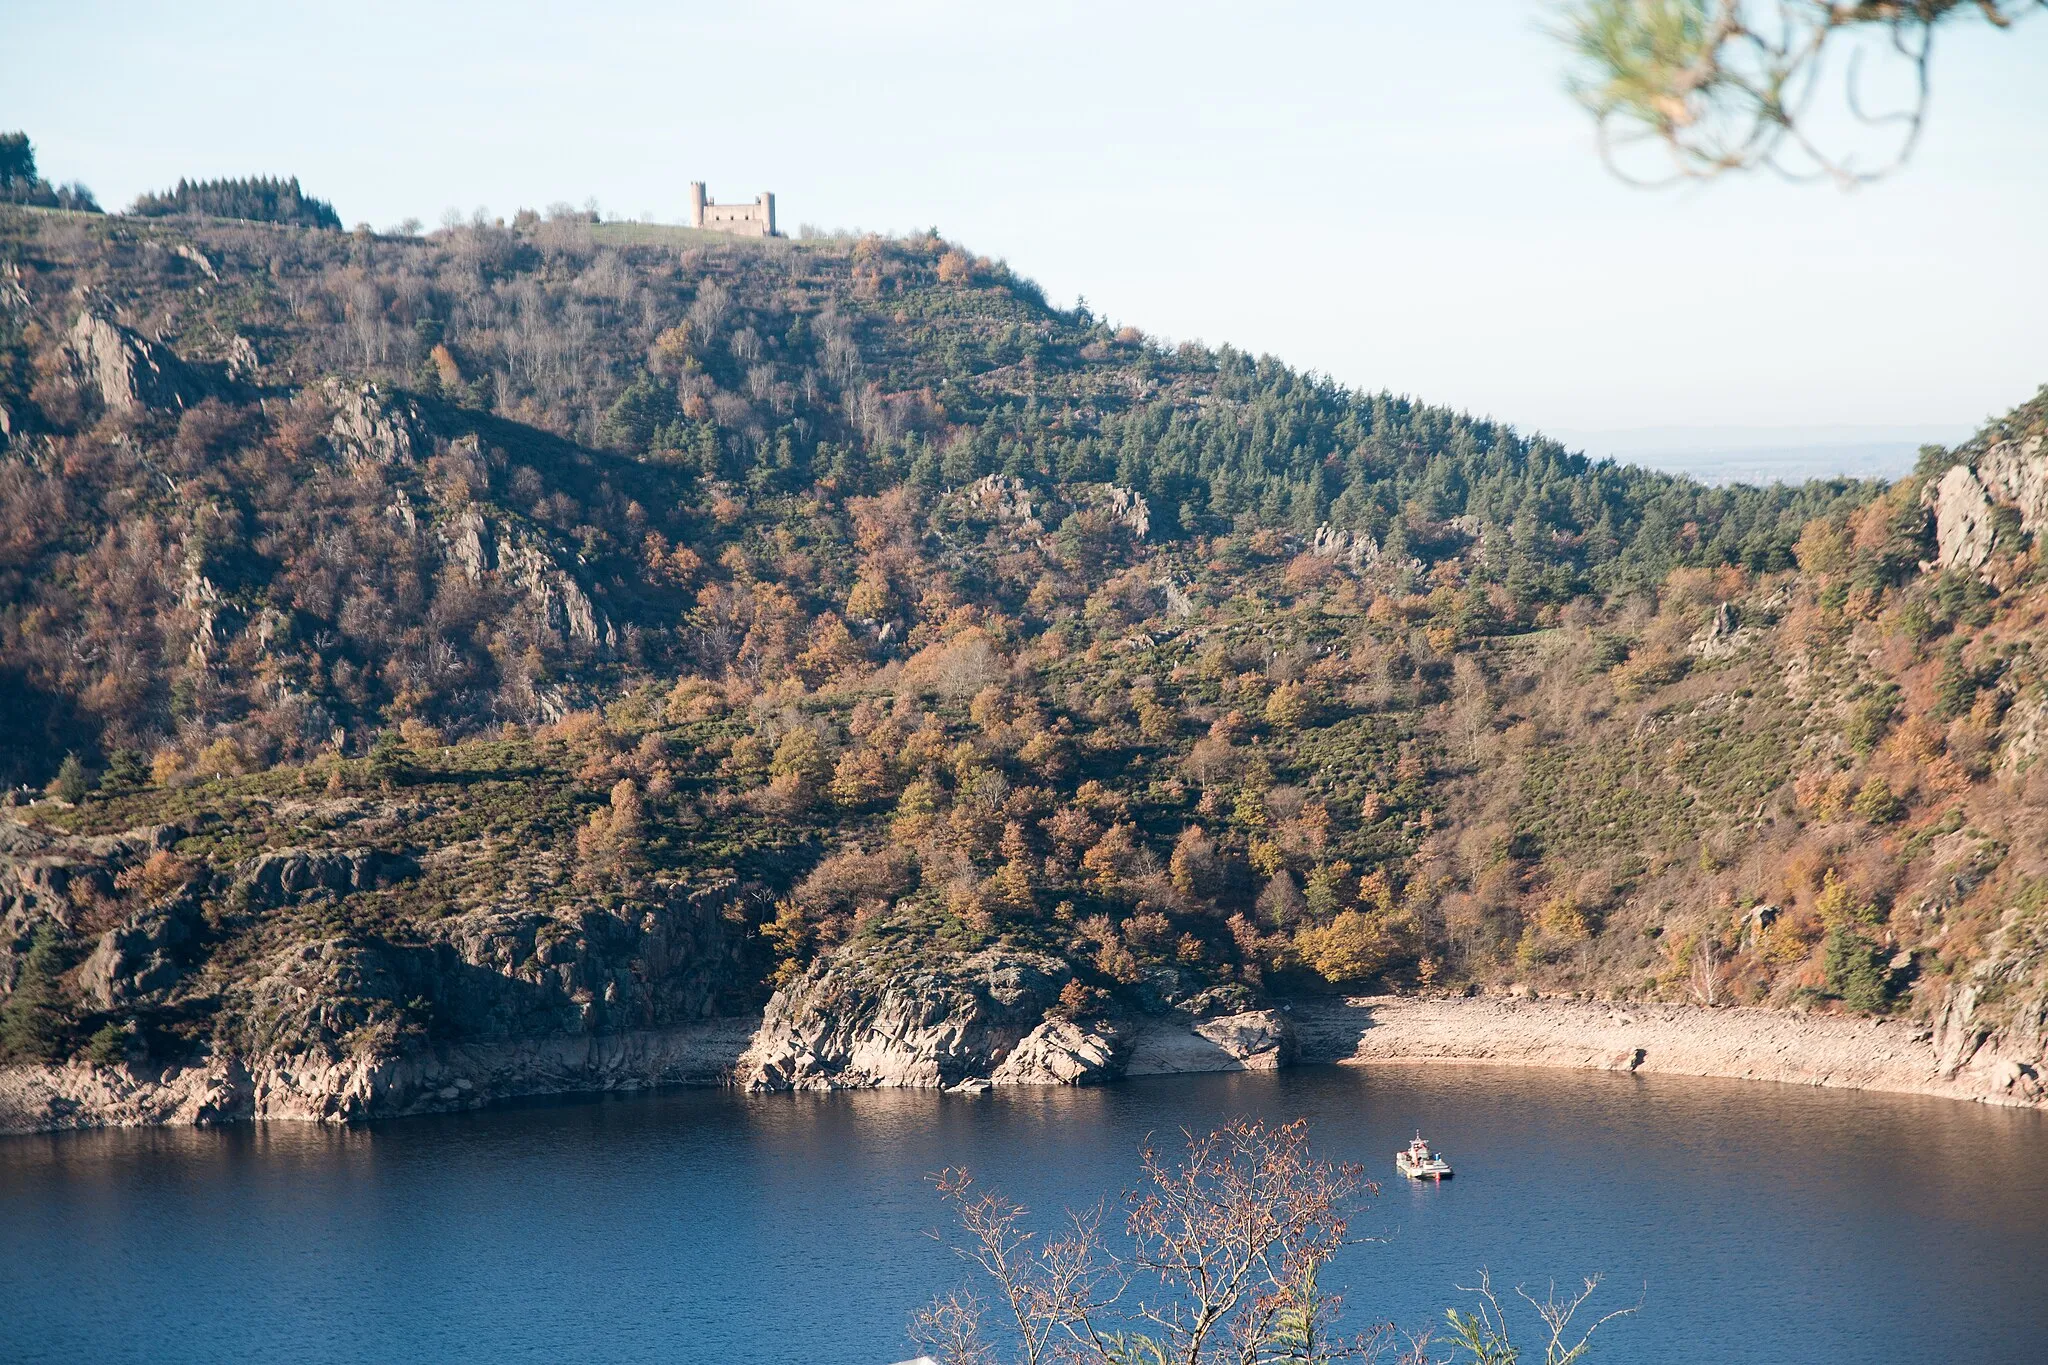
column 741, row 220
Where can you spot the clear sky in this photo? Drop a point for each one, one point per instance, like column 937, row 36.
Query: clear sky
column 1396, row 194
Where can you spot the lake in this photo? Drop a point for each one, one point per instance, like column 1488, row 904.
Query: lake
column 1754, row 1222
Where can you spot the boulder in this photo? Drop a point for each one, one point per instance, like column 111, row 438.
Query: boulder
column 1062, row 1052
column 1260, row 1040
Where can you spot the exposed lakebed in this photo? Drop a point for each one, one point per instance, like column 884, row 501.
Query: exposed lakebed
column 1755, row 1221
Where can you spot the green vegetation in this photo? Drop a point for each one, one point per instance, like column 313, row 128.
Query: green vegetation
column 259, row 198
column 32, row 1022
column 20, row 183
column 616, row 601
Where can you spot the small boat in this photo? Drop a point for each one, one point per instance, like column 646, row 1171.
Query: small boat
column 1417, row 1164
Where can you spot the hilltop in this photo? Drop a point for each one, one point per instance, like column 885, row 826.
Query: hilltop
column 563, row 630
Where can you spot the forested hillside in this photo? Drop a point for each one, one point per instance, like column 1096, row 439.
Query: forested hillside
column 589, row 585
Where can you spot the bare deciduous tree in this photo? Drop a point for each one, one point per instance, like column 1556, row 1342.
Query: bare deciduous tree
column 1220, row 1262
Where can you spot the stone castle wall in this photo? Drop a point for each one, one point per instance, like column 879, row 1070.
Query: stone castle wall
column 741, row 220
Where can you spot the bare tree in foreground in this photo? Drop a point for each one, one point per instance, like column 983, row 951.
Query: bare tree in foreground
column 1484, row 1335
column 1727, row 85
column 1219, row 1261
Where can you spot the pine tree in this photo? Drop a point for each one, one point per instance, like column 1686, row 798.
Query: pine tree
column 31, row 1025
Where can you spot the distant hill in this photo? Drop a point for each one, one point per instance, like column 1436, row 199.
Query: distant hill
column 1724, row 455
column 556, row 606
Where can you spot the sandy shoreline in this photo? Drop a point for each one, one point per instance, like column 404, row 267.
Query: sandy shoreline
column 1682, row 1040
column 1747, row 1044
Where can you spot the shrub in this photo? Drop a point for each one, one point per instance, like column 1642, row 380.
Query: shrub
column 1871, row 721
column 1876, row 803
column 108, row 1046
column 70, row 784
column 389, row 766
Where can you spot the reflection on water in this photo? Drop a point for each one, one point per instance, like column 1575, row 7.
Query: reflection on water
column 1755, row 1222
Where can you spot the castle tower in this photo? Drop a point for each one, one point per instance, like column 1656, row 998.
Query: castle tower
column 740, row 220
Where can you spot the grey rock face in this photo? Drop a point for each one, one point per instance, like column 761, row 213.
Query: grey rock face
column 559, row 603
column 1966, row 499
column 1995, row 1024
column 285, row 874
column 142, row 958
column 554, row 594
column 467, row 542
column 243, row 366
column 855, row 1021
column 370, row 426
column 1128, row 508
column 128, row 371
column 1063, row 1052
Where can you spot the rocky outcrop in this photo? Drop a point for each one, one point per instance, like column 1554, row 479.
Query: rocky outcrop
column 988, row 1018
column 1724, row 636
column 1061, row 1051
column 433, row 1013
column 128, row 371
column 2026, row 733
column 372, row 427
column 142, row 958
column 38, row 871
column 1006, row 498
column 1966, row 501
column 315, row 1087
column 1358, row 548
column 1992, row 1029
column 243, row 365
column 559, row 603
column 551, row 592
column 281, row 875
column 496, row 976
column 186, row 251
column 1127, row 508
column 859, row 1018
column 466, row 541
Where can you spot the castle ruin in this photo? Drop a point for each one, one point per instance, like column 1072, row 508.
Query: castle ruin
column 741, row 220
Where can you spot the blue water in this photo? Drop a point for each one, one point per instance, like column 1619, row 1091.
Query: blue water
column 1753, row 1222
